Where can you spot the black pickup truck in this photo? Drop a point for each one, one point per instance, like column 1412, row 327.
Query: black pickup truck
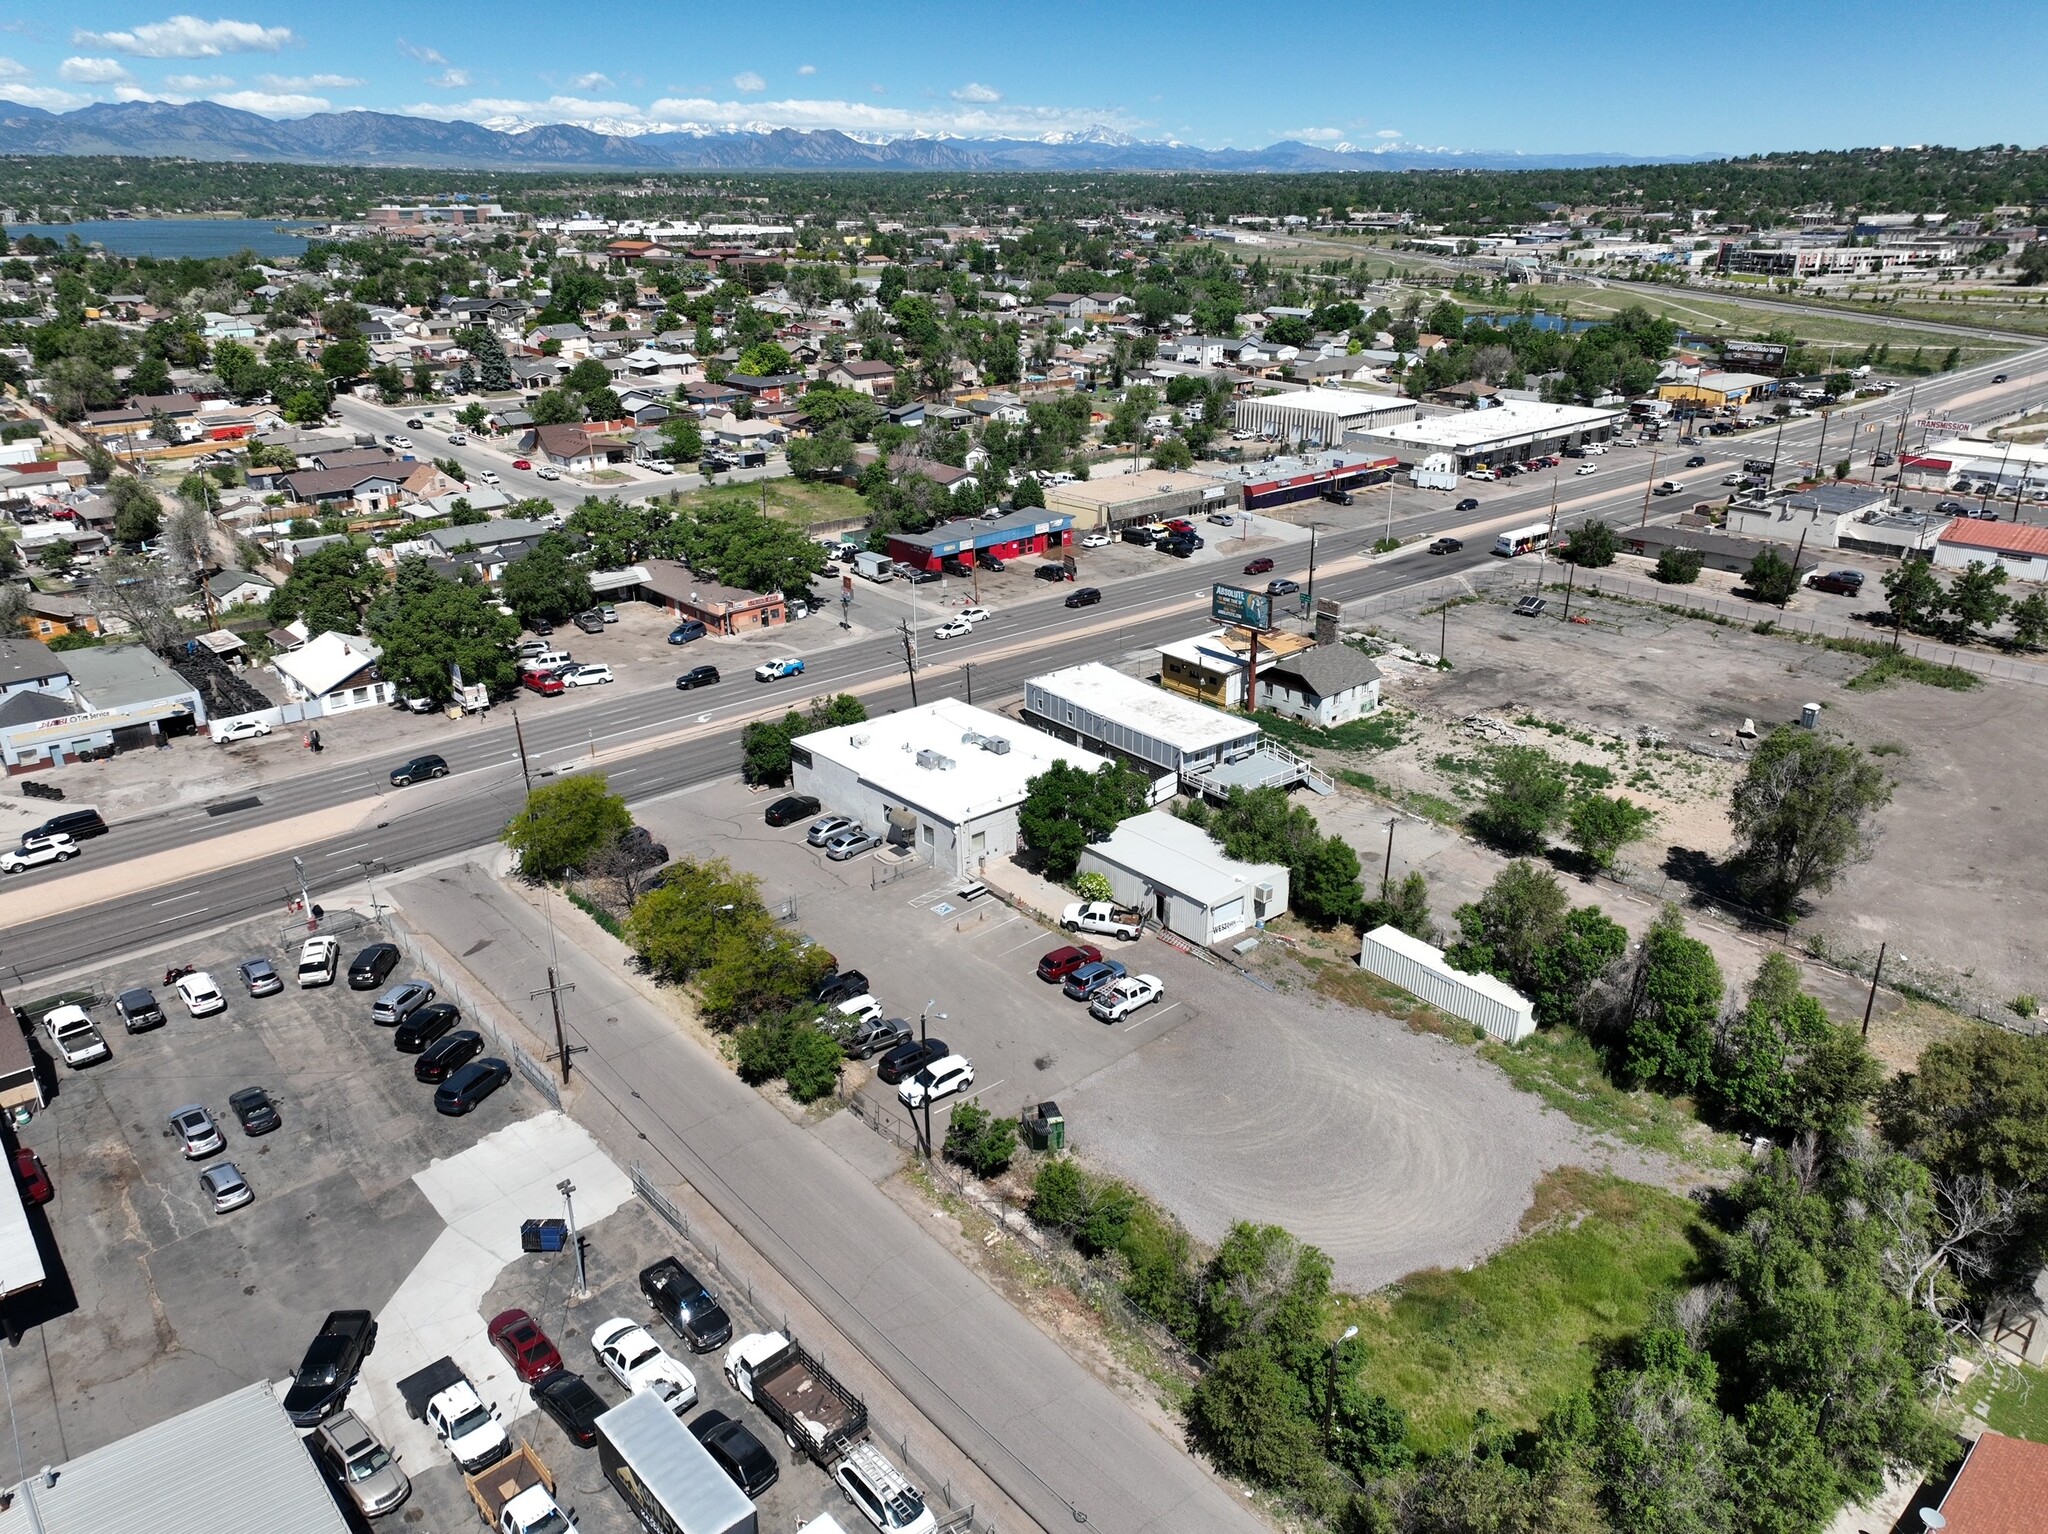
column 681, row 1299
column 332, row 1362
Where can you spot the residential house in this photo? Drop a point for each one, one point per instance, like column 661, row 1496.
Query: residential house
column 706, row 397
column 944, row 475
column 682, row 593
column 54, row 615
column 27, row 665
column 862, row 376
column 372, row 489
column 228, row 327
column 509, row 535
column 1326, row 686
column 770, row 387
column 238, row 588
column 570, row 447
column 731, row 431
column 572, row 341
column 336, row 672
column 1070, row 309
column 427, row 481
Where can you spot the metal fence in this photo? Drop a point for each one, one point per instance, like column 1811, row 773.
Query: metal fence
column 959, row 1515
column 482, row 1014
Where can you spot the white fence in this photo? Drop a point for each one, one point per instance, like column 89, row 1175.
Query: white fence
column 275, row 716
column 1419, row 969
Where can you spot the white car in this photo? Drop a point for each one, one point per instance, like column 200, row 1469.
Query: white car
column 1095, row 541
column 851, row 1013
column 544, row 472
column 201, row 996
column 633, row 1358
column 1484, row 476
column 942, row 1078
column 1587, row 468
column 52, row 849
column 488, row 476
column 243, row 729
column 587, row 675
column 953, row 628
column 74, row 1037
column 457, row 439
column 976, row 614
column 405, row 442
column 1115, row 1002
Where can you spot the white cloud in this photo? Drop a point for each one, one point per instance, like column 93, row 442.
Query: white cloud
column 137, row 93
column 747, row 80
column 806, row 69
column 1313, row 135
column 187, row 37
column 83, row 71
column 1007, row 119
column 424, row 55
column 309, row 82
column 978, row 93
column 593, row 81
column 13, row 69
column 274, row 103
column 199, row 82
column 450, row 79
column 1388, row 133
column 47, row 97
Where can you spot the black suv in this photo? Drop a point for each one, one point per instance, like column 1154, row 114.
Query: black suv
column 575, row 1407
column 681, row 1299
column 425, row 1026
column 331, row 1365
column 447, row 1055
column 987, row 560
column 843, row 986
column 79, row 825
column 254, row 1111
column 906, row 1060
column 697, row 676
column 139, row 1009
column 419, row 768
column 742, row 1456
column 369, row 968
column 470, row 1086
column 1087, row 596
column 1050, row 572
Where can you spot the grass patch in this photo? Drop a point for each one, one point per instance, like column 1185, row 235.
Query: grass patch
column 1523, row 1330
column 1428, row 806
column 1380, row 731
column 792, row 500
column 1590, row 775
column 1561, row 1066
column 596, row 913
column 1343, row 981
column 1897, row 665
column 2018, row 1403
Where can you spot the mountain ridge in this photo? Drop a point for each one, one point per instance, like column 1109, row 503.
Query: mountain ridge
column 205, row 130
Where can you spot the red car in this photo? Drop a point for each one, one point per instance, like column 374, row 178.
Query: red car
column 519, row 1337
column 546, row 683
column 1258, row 567
column 521, row 463
column 35, row 1182
column 1062, row 962
column 1180, row 525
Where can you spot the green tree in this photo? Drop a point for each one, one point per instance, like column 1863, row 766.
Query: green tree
column 1264, row 1286
column 1781, row 1066
column 765, row 743
column 811, row 1064
column 493, row 371
column 1680, row 567
column 587, row 377
column 1172, row 455
column 1262, row 826
column 983, row 1142
column 343, row 361
column 1593, row 545
column 1059, row 1193
column 1975, row 601
column 240, row 371
column 1802, row 813
column 1600, row 825
column 1404, row 905
column 1504, row 932
column 682, row 439
column 1527, row 794
column 1671, row 1004
column 1325, row 887
column 328, row 588
column 730, row 536
column 429, row 627
column 1566, row 971
column 1913, row 594
column 1067, row 807
column 615, row 534
column 677, row 926
column 1771, row 578
column 1249, row 1415
column 557, row 407
column 2030, row 621
column 138, row 513
column 1030, row 493
column 564, row 824
column 764, row 359
column 545, row 583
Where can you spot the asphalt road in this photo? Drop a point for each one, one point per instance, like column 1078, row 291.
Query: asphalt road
column 469, row 809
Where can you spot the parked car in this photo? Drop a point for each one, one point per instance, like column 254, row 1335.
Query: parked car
column 1282, row 587
column 367, row 1470
column 333, row 1360
column 32, row 1175
column 851, row 844
column 400, row 1002
column 1084, row 982
column 838, row 986
column 987, row 561
column 686, row 631
column 201, row 996
column 825, row 827
column 1087, row 596
column 1530, row 607
column 639, row 1363
column 368, row 969
column 590, row 623
column 319, row 958
column 908, row 1059
column 75, row 1037
column 254, row 1111
column 789, row 809
column 1848, row 583
column 881, row 1492
column 138, row 1009
column 419, row 769
column 1095, row 540
column 242, row 729
column 1258, row 566
column 850, row 1014
column 461, row 1092
column 425, row 1026
column 1115, row 1002
column 1447, row 546
column 774, row 670
column 1050, row 573
column 1055, row 966
column 447, row 1055
column 572, row 1405
column 737, row 1452
column 697, row 676
column 525, row 1346
column 944, row 1077
column 875, row 1036
column 691, row 1310
column 260, row 977
column 225, row 1187
column 545, row 684
column 589, row 674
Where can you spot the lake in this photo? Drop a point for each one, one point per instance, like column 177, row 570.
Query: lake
column 171, row 238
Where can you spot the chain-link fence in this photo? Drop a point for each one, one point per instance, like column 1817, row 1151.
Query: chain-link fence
column 481, row 1012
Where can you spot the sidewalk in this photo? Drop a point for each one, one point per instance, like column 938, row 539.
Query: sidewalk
column 1047, row 1432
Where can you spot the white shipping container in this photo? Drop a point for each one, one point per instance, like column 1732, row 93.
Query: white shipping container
column 1419, row 969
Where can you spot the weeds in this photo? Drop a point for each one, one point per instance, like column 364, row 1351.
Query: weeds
column 1896, row 665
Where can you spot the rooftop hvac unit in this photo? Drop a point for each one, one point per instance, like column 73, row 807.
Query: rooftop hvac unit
column 1265, row 893
column 927, row 758
column 856, row 741
column 995, row 744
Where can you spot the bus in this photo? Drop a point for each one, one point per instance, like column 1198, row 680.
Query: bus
column 1523, row 540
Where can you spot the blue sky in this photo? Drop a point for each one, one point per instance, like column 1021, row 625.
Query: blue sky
column 1577, row 76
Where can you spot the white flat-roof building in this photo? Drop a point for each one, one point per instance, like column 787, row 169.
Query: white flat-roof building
column 1105, row 710
column 1515, row 430
column 1981, row 460
column 946, row 778
column 1174, row 871
column 1319, row 417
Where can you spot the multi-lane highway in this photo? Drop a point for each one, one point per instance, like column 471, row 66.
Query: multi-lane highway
column 653, row 742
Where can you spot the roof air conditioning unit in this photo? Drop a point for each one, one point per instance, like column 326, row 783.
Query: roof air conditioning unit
column 996, row 744
column 1265, row 892
column 856, row 741
column 929, row 759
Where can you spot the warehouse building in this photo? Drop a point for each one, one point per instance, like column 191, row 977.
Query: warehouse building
column 1718, row 391
column 2020, row 549
column 1150, row 495
column 1517, row 430
column 1966, row 462
column 1818, row 514
column 1274, row 482
column 945, row 778
column 1319, row 417
column 1175, row 873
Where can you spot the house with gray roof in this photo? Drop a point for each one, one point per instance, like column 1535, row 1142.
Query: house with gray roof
column 1326, row 686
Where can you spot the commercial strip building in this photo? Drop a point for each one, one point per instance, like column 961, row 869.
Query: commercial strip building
column 1285, row 481
column 1175, row 873
column 1319, row 417
column 945, row 778
column 1021, row 533
column 1506, row 433
column 93, row 702
column 1150, row 495
column 2007, row 466
column 236, row 1462
column 678, row 591
column 1717, row 391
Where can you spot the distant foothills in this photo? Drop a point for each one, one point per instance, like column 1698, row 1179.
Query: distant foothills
column 203, row 130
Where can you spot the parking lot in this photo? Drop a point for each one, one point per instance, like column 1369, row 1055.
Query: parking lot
column 1224, row 1099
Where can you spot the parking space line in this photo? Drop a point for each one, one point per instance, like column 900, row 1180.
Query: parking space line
column 1036, row 937
column 1148, row 1014
column 968, row 1097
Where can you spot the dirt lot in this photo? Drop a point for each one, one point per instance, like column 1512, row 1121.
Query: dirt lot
column 1955, row 869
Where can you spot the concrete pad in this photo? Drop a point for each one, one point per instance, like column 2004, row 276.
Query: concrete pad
column 860, row 1147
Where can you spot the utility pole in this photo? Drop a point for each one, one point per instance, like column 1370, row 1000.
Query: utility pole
column 1871, row 1000
column 553, row 991
column 1387, row 874
column 376, row 911
column 1649, row 485
column 305, row 895
column 968, row 668
column 1571, row 575
column 519, row 735
column 1797, row 555
column 1311, row 565
column 910, row 658
column 1443, row 643
column 568, row 1191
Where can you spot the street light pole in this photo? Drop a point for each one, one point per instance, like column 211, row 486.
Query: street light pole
column 568, row 1191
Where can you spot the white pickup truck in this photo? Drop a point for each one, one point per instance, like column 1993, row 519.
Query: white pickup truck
column 1104, row 918
column 1113, row 1003
column 441, row 1396
column 73, row 1036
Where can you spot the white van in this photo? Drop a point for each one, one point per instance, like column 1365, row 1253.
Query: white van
column 882, row 1493
column 319, row 958
column 1058, row 477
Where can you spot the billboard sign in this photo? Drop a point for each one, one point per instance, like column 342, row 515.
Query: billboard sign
column 1940, row 428
column 1763, row 356
column 1245, row 608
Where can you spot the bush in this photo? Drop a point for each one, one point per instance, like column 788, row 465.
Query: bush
column 980, row 1141
column 1680, row 567
column 1093, row 886
column 761, row 1050
column 811, row 1063
column 1059, row 1194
